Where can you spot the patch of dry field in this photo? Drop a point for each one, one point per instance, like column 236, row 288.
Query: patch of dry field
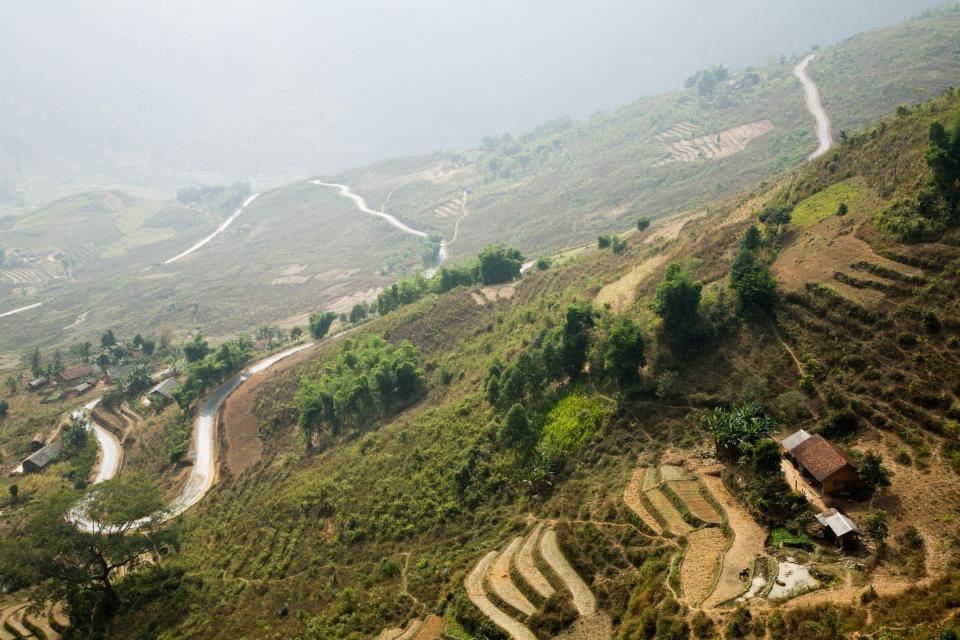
column 689, row 492
column 621, row 293
column 631, row 496
column 701, row 563
column 675, row 521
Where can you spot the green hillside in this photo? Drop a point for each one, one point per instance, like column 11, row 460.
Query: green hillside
column 380, row 512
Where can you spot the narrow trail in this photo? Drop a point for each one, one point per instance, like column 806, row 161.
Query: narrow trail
column 815, row 107
column 220, row 229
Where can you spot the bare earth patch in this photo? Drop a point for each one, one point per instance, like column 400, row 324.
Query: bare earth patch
column 241, row 428
column 701, row 561
column 820, row 251
column 527, row 567
column 621, row 293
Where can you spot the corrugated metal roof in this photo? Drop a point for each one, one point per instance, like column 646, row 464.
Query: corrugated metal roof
column 164, row 388
column 791, row 441
column 837, row 522
column 45, row 456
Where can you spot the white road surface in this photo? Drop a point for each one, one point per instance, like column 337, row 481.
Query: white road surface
column 815, row 107
column 223, row 225
column 15, row 311
column 361, row 204
column 204, row 469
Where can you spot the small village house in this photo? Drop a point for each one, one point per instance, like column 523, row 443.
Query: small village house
column 162, row 393
column 76, row 373
column 37, row 384
column 823, row 464
column 838, row 527
column 40, row 460
column 115, row 373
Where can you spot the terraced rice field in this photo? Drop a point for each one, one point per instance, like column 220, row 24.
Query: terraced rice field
column 711, row 146
column 670, row 473
column 675, row 521
column 701, row 564
column 631, row 496
column 689, row 492
column 493, row 576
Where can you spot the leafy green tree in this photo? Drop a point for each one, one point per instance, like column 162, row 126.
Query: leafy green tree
column 603, row 241
column 296, row 333
column 108, row 339
column 196, row 349
column 14, row 491
column 623, row 352
column 11, row 383
column 776, row 213
column 149, row 345
column 751, row 239
column 643, row 222
column 842, row 209
column 75, row 433
column 516, row 430
column 943, row 158
column 543, row 263
column 676, row 300
column 872, row 470
column 359, row 312
column 576, row 339
column 4, row 408
column 79, row 566
column 752, row 281
column 735, row 431
column 320, row 323
column 877, row 528
column 499, row 264
column 36, row 363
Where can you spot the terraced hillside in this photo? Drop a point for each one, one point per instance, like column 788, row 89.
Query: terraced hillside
column 508, row 485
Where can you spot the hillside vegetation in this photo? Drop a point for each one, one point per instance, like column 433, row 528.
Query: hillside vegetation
column 544, row 417
column 302, row 248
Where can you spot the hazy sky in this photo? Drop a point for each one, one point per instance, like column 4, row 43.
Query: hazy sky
column 244, row 88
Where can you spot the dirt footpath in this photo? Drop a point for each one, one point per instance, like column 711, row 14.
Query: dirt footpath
column 240, row 427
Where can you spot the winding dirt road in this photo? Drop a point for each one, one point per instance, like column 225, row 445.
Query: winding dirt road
column 203, row 473
column 361, row 204
column 223, row 225
column 815, row 107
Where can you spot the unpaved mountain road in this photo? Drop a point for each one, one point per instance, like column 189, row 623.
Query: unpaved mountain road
column 20, row 309
column 220, row 229
column 815, row 107
column 361, row 204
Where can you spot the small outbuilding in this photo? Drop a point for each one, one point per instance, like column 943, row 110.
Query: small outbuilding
column 37, row 384
column 42, row 459
column 38, row 441
column 162, row 393
column 82, row 388
column 838, row 527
